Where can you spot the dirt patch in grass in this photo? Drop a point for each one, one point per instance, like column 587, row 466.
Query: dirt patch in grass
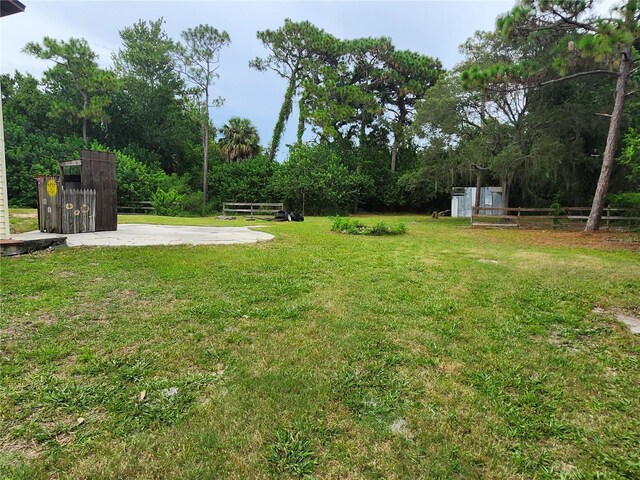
column 131, row 298
column 450, row 367
column 599, row 240
column 20, row 329
column 537, row 260
column 629, row 318
column 19, row 447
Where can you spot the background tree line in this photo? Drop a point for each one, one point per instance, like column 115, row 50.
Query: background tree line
column 532, row 108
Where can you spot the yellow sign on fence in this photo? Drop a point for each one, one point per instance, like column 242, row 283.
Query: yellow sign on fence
column 52, row 188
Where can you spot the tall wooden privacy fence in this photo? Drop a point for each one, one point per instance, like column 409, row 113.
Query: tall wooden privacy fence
column 563, row 218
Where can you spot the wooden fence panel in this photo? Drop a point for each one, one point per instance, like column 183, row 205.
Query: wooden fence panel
column 549, row 218
column 49, row 198
column 98, row 172
column 78, row 210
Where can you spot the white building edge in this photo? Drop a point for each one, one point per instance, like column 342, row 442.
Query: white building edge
column 463, row 198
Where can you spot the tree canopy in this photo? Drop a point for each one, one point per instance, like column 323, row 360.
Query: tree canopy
column 543, row 106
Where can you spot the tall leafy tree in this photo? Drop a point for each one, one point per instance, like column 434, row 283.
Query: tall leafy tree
column 339, row 99
column 401, row 81
column 613, row 42
column 371, row 84
column 536, row 143
column 199, row 56
column 495, row 113
column 24, row 102
column 35, row 142
column 147, row 107
column 240, row 140
column 295, row 49
column 81, row 88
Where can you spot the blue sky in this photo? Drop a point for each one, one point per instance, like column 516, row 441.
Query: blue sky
column 434, row 28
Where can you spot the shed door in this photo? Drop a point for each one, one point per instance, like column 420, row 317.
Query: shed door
column 99, row 174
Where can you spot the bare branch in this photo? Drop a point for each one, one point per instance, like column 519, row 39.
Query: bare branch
column 479, row 167
column 571, row 21
column 521, row 87
column 576, row 75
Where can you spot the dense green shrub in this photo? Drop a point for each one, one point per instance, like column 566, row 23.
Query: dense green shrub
column 32, row 154
column 355, row 227
column 315, row 180
column 136, row 181
column 629, row 200
column 631, row 154
column 347, row 225
column 193, row 205
column 246, row 181
column 168, row 202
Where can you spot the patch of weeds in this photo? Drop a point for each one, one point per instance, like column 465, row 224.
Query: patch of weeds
column 127, row 369
column 107, row 394
column 381, row 228
column 165, row 401
column 355, row 227
column 291, row 452
column 526, row 401
column 76, row 396
column 347, row 225
column 370, row 393
column 370, row 387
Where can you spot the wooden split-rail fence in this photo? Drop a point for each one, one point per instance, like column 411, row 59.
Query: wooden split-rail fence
column 566, row 218
column 62, row 210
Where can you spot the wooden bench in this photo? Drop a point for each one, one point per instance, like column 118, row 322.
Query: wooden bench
column 252, row 209
column 136, row 207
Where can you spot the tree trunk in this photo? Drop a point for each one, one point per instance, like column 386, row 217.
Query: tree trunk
column 505, row 192
column 283, row 116
column 362, row 136
column 593, row 223
column 85, row 102
column 476, row 201
column 394, row 153
column 205, row 173
column 301, row 122
column 398, row 132
column 358, row 170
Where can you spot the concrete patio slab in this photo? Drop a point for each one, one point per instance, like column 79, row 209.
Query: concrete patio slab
column 141, row 235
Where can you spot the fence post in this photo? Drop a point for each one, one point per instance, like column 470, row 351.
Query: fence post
column 608, row 209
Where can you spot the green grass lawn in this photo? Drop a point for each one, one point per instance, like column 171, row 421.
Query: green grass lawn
column 443, row 353
column 23, row 220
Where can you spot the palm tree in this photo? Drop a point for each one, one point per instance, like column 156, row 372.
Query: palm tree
column 239, row 140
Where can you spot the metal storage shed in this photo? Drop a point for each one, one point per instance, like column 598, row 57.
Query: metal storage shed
column 462, row 199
